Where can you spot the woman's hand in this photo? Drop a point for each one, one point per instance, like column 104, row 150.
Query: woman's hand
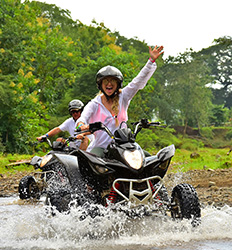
column 156, row 52
column 80, row 137
column 84, row 127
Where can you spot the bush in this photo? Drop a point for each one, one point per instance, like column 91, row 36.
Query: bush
column 157, row 138
column 2, row 147
column 207, row 132
column 228, row 135
column 191, row 144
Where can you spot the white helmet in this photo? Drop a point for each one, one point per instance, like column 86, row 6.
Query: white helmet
column 75, row 105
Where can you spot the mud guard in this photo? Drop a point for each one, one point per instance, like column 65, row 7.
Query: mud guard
column 72, row 169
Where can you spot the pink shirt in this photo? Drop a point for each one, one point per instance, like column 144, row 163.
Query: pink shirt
column 95, row 111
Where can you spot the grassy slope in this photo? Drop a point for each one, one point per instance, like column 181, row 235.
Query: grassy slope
column 205, row 158
column 5, row 160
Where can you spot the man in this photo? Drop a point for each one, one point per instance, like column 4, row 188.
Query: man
column 75, row 108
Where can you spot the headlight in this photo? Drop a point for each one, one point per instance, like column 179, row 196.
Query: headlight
column 134, row 158
column 164, row 164
column 45, row 160
column 101, row 169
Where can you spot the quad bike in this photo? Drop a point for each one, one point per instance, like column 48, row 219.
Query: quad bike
column 50, row 170
column 122, row 179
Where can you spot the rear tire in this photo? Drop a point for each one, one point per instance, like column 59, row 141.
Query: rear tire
column 185, row 204
column 28, row 188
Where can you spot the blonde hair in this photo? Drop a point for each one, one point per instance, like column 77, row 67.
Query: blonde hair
column 115, row 106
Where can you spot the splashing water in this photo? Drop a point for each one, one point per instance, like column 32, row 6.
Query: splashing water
column 30, row 226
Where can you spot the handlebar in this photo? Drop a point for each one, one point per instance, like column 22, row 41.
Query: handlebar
column 65, row 142
column 143, row 123
column 45, row 139
column 146, row 124
column 93, row 127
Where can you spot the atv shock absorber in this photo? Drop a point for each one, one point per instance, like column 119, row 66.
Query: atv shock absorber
column 113, row 194
column 153, row 190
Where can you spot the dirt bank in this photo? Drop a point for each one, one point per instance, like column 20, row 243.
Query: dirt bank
column 214, row 187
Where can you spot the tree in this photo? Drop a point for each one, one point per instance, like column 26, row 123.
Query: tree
column 184, row 89
column 218, row 57
column 38, row 64
column 219, row 115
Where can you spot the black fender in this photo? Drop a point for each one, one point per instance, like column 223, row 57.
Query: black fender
column 71, row 165
column 163, row 155
column 158, row 164
column 35, row 161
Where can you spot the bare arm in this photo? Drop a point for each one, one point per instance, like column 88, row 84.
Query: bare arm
column 51, row 133
column 84, row 143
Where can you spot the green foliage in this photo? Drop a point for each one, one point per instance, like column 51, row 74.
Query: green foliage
column 2, row 147
column 216, row 137
column 219, row 115
column 228, row 135
column 47, row 59
column 184, row 88
column 42, row 66
column 153, row 140
column 207, row 132
column 190, row 144
column 218, row 57
column 10, row 158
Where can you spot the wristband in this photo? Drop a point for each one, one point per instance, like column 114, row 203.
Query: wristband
column 79, row 125
column 47, row 135
column 151, row 60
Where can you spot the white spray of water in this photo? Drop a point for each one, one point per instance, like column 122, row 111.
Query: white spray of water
column 29, row 226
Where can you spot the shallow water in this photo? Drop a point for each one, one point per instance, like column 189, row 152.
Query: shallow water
column 29, row 226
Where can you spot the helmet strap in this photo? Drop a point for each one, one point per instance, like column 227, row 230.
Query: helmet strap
column 108, row 97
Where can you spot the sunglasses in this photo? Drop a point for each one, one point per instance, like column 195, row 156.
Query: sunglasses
column 75, row 111
column 111, row 80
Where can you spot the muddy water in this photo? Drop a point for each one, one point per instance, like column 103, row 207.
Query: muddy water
column 31, row 226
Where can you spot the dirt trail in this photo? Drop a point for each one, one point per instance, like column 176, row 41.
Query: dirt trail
column 214, row 187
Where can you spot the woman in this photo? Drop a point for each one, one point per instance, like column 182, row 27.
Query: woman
column 110, row 106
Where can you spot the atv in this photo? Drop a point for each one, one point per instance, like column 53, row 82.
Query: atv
column 124, row 178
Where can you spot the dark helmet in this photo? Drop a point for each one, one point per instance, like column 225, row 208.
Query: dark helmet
column 75, row 105
column 109, row 71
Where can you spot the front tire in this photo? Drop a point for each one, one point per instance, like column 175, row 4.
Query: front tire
column 185, row 203
column 28, row 188
column 60, row 199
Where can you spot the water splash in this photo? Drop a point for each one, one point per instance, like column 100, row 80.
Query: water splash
column 29, row 226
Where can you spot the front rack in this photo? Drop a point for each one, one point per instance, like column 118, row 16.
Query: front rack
column 137, row 197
